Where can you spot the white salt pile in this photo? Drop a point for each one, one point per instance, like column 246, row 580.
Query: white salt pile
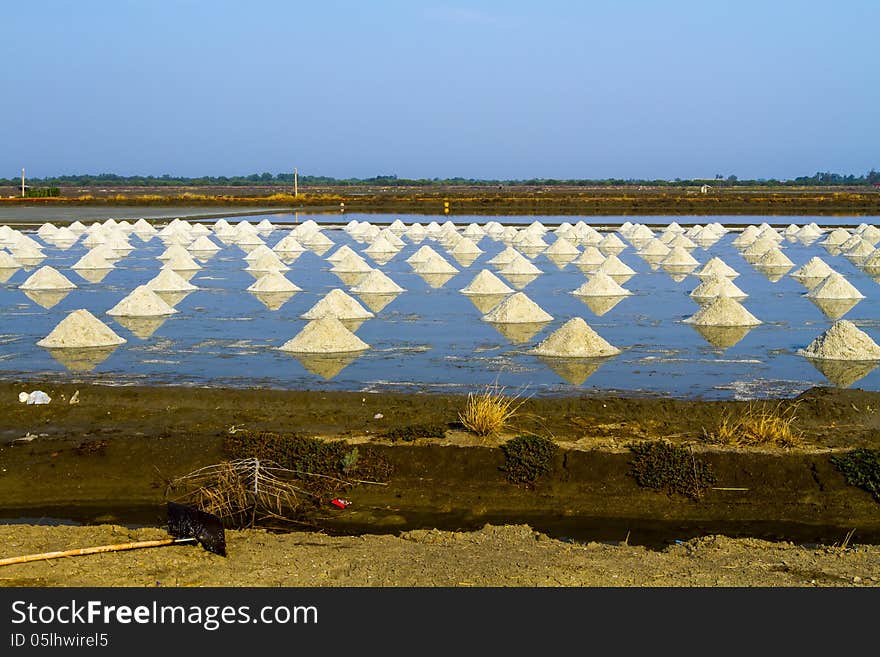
column 505, row 256
column 814, row 268
column 834, row 286
column 517, row 308
column 79, row 330
column 47, row 230
column 422, row 254
column 273, row 281
column 871, row 234
column 434, row 264
column 601, row 284
column 590, row 258
column 351, row 263
column 679, row 257
column 682, row 242
column 465, row 246
column 759, row 247
column 397, row 226
column 717, row 266
column 289, row 244
column 258, row 252
column 92, row 260
column 836, row 237
column 749, row 235
column 267, row 262
column 614, row 266
column 173, row 251
column 843, row 341
column 326, row 335
column 774, row 258
column 376, row 282
column 181, row 263
column 142, row 302
column 392, row 238
column 717, row 285
column 486, row 283
column 336, row 303
column 562, row 247
column 168, row 280
column 204, row 244
column 64, row 234
column 78, row 227
column 723, row 311
column 381, row 245
column 519, row 265
column 654, row 248
column 611, row 244
column 861, row 250
column 265, row 227
column 47, row 278
column 7, row 261
column 674, row 227
column 574, row 339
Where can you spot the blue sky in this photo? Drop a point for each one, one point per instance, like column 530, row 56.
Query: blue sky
column 510, row 89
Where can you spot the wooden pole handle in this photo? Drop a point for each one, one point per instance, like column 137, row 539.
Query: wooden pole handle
column 94, row 550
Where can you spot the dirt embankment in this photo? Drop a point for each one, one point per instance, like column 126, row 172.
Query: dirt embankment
column 106, row 460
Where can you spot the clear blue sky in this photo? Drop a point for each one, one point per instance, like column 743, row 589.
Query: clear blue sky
column 504, row 89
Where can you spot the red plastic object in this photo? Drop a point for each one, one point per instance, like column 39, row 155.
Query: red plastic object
column 341, row 503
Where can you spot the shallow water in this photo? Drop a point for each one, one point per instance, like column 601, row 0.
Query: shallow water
column 432, row 338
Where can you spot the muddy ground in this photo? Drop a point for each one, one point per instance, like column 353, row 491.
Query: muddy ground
column 446, row 514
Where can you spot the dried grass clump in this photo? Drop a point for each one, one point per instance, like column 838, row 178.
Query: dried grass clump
column 491, row 411
column 759, row 424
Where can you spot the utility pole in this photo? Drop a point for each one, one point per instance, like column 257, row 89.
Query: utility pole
column 295, row 183
column 22, row 182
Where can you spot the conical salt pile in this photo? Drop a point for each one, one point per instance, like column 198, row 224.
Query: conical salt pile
column 590, row 257
column 92, row 260
column 749, row 235
column 717, row 266
column 465, row 246
column 351, row 263
column 47, row 230
column 517, row 308
column 759, row 247
column 173, row 251
column 273, row 281
column 326, row 335
column 611, row 243
column 682, row 242
column 181, row 263
column 142, row 302
column 562, row 247
column 843, row 341
column 723, row 311
column 814, row 268
column 862, row 249
column 267, row 262
column 80, row 330
column 47, row 278
column 505, row 256
column 381, row 245
column 601, row 284
column 519, row 266
column 654, row 248
column 679, row 257
column 434, row 264
column 169, row 280
column 422, row 254
column 7, row 261
column 289, row 244
column 614, row 266
column 486, row 283
column 717, row 285
column 204, row 244
column 774, row 258
column 871, row 234
column 574, row 339
column 835, row 286
column 64, row 234
column 338, row 304
column 78, row 227
column 377, row 282
column 397, row 226
column 836, row 237
column 259, row 252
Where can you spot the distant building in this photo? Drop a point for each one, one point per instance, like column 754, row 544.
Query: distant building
column 705, row 189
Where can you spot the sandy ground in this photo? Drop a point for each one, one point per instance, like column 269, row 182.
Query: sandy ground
column 512, row 555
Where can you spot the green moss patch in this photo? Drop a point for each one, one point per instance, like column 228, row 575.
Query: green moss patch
column 861, row 467
column 663, row 466
column 526, row 458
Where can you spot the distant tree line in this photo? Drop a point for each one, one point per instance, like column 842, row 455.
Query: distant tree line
column 826, row 178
